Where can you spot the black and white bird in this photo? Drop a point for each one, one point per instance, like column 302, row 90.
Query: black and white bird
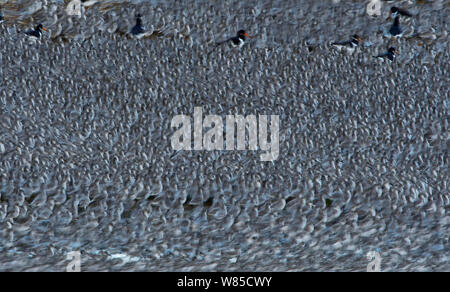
column 390, row 54
column 138, row 29
column 395, row 11
column 236, row 41
column 36, row 32
column 395, row 30
column 349, row 45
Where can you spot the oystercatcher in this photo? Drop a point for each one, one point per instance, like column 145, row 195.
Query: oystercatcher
column 138, row 29
column 349, row 45
column 390, row 54
column 238, row 40
column 395, row 29
column 36, row 33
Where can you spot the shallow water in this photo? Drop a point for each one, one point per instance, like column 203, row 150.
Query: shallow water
column 86, row 162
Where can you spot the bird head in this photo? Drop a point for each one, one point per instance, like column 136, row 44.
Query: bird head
column 242, row 34
column 357, row 38
column 392, row 50
column 394, row 12
column 40, row 26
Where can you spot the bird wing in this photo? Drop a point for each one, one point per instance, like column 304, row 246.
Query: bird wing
column 344, row 43
column 224, row 41
column 32, row 33
column 221, row 43
column 137, row 29
column 382, row 55
column 404, row 12
column 395, row 30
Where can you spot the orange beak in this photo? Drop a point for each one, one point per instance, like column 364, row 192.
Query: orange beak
column 45, row 29
column 359, row 39
column 246, row 34
column 396, row 51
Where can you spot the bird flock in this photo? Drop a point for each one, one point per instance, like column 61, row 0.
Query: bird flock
column 86, row 162
column 394, row 31
column 139, row 31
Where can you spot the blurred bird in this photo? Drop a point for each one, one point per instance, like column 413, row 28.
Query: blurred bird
column 390, row 54
column 395, row 29
column 36, row 33
column 349, row 45
column 238, row 40
column 138, row 28
column 395, row 11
